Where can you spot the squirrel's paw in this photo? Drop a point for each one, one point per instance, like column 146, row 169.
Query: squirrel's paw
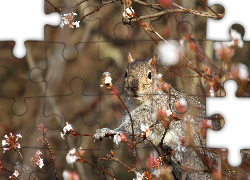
column 100, row 133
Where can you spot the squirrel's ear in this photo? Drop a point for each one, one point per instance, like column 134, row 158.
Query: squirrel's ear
column 130, row 59
column 153, row 61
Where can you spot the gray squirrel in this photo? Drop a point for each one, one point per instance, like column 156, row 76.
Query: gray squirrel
column 182, row 145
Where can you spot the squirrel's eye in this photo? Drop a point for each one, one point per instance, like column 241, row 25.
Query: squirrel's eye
column 149, row 75
column 126, row 74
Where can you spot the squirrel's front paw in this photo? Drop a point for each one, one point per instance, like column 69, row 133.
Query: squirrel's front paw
column 100, row 133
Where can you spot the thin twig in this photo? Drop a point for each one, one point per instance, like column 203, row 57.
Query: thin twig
column 77, row 4
column 110, row 158
column 97, row 9
column 46, row 144
column 204, row 14
column 144, row 28
column 102, row 170
column 156, row 150
column 154, row 6
column 131, row 120
column 56, row 9
column 210, row 9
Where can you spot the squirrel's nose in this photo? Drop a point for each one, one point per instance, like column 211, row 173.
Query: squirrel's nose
column 134, row 86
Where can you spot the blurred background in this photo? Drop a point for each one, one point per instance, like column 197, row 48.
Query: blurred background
column 59, row 80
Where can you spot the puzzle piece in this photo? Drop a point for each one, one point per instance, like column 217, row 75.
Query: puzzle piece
column 226, row 138
column 26, row 25
column 58, row 73
column 15, row 83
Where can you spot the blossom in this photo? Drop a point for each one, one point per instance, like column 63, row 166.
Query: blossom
column 66, row 129
column 236, row 39
column 139, row 176
column 19, row 135
column 38, row 152
column 159, row 76
column 37, row 160
column 117, row 138
column 72, row 151
column 10, row 142
column 71, row 156
column 181, row 105
column 67, row 19
column 243, row 71
column 76, row 24
column 211, row 92
column 5, row 149
column 107, row 80
column 145, row 129
column 168, row 53
column 4, row 142
column 16, row 173
column 129, row 13
column 67, row 175
column 183, row 102
column 40, row 163
column 169, row 112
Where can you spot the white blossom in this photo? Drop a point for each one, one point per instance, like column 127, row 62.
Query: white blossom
column 38, row 152
column 66, row 21
column 16, row 173
column 66, row 128
column 117, row 138
column 40, row 163
column 71, row 157
column 77, row 24
column 159, row 76
column 168, row 53
column 211, row 92
column 67, row 175
column 169, row 112
column 183, row 102
column 108, row 80
column 19, row 135
column 145, row 128
column 243, row 71
column 72, row 151
column 139, row 176
column 5, row 149
column 235, row 38
column 128, row 13
column 4, row 142
column 106, row 74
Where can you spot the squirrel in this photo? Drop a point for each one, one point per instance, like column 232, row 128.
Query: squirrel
column 144, row 98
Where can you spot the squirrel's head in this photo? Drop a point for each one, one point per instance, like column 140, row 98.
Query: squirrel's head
column 139, row 78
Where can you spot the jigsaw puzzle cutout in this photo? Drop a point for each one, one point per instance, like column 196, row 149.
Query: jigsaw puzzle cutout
column 27, row 23
column 68, row 73
column 217, row 30
column 230, row 107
